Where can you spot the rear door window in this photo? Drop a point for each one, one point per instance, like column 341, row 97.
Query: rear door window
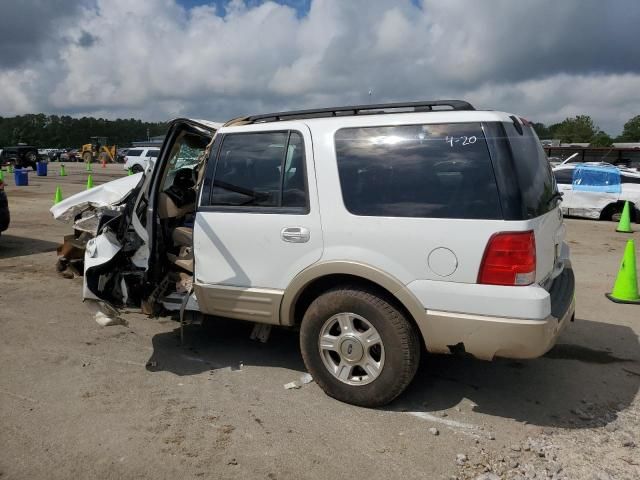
column 439, row 171
column 134, row 153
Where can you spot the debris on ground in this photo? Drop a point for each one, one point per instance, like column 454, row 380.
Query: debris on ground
column 303, row 380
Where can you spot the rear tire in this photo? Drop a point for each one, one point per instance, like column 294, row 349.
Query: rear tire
column 137, row 168
column 369, row 352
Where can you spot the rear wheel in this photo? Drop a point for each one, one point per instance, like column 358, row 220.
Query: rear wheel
column 137, row 168
column 359, row 347
column 613, row 212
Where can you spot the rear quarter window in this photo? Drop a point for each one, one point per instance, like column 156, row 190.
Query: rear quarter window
column 437, row 171
column 532, row 170
column 134, row 153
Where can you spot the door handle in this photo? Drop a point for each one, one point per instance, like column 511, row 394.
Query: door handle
column 295, row 234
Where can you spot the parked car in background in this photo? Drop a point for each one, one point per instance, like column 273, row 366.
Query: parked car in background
column 4, row 209
column 598, row 190
column 137, row 159
column 69, row 155
column 20, row 156
column 380, row 231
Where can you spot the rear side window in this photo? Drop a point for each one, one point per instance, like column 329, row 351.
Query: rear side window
column 153, row 153
column 134, row 153
column 261, row 170
column 438, row 171
column 532, row 170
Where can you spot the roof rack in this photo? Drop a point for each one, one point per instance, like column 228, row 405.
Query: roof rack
column 402, row 107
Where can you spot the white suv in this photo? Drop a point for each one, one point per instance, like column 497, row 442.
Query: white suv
column 137, row 159
column 381, row 231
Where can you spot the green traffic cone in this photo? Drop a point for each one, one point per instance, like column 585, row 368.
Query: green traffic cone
column 624, row 226
column 625, row 289
column 58, row 196
column 1, row 176
column 10, row 169
column 89, row 167
column 90, row 182
column 63, row 172
column 129, row 171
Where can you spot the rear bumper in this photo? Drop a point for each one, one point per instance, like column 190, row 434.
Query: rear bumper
column 486, row 337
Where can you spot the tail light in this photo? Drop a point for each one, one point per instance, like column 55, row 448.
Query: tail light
column 509, row 259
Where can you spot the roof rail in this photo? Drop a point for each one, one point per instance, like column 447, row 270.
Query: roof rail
column 426, row 106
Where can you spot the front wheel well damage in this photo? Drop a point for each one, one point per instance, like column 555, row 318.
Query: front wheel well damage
column 320, row 285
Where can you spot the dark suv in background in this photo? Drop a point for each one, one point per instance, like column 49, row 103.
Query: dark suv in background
column 20, row 156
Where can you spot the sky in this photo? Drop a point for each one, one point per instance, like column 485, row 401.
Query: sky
column 545, row 60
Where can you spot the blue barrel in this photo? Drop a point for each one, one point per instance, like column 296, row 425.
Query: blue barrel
column 41, row 168
column 21, row 177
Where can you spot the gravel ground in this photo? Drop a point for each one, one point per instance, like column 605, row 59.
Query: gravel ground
column 81, row 401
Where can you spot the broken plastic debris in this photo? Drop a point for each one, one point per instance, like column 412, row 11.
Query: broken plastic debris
column 106, row 321
column 304, row 380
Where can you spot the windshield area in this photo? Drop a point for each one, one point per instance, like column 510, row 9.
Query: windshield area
column 184, row 155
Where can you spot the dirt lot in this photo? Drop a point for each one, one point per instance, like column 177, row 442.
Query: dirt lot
column 81, row 401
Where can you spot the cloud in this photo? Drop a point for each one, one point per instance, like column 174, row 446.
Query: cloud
column 156, row 59
column 26, row 26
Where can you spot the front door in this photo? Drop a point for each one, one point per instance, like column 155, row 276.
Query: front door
column 258, row 222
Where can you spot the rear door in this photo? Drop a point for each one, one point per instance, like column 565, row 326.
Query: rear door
column 258, row 221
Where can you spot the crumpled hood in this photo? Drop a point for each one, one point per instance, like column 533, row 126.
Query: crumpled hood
column 104, row 195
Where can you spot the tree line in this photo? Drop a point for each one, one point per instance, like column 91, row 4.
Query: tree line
column 582, row 129
column 53, row 131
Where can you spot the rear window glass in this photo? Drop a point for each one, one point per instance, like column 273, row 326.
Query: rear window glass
column 532, row 169
column 133, row 153
column 153, row 153
column 438, row 171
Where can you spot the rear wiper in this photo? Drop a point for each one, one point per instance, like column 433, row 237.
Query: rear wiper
column 555, row 196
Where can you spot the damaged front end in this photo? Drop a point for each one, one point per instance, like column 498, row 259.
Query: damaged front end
column 101, row 220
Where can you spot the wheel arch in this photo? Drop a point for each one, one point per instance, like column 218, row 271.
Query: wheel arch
column 613, row 207
column 320, row 277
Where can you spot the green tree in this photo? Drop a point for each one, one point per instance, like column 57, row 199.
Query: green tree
column 578, row 129
column 601, row 139
column 542, row 131
column 631, row 131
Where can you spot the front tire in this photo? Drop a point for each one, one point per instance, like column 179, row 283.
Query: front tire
column 358, row 346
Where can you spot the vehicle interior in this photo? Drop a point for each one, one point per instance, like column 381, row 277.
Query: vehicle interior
column 176, row 203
